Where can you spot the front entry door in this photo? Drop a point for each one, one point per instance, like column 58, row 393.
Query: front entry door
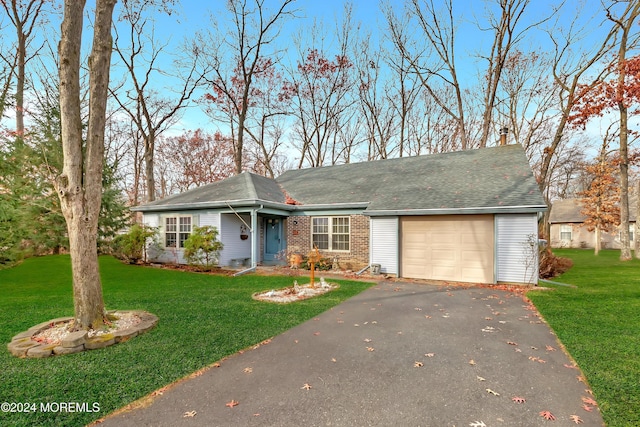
column 273, row 239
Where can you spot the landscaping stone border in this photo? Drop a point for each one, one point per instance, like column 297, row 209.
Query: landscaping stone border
column 22, row 345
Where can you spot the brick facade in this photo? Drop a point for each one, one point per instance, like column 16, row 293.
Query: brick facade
column 299, row 241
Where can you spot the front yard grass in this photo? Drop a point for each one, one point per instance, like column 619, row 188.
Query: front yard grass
column 203, row 318
column 599, row 323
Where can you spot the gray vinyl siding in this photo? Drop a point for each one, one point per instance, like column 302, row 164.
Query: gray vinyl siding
column 384, row 243
column 234, row 247
column 517, row 248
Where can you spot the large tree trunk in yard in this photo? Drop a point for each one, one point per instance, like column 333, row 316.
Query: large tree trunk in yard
column 79, row 186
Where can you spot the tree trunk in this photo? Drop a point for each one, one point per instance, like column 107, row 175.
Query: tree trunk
column 149, row 165
column 597, row 242
column 80, row 184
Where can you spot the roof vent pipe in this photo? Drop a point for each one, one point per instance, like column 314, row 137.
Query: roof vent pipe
column 503, row 135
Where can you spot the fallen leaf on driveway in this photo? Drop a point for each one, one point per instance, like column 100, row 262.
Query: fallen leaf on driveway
column 189, row 414
column 547, row 415
column 306, row 386
column 495, row 393
column 418, row 364
column 472, row 362
column 232, row 403
column 480, row 378
column 518, row 399
column 549, row 348
column 589, row 401
column 576, row 419
column 477, row 424
column 430, row 354
column 248, row 370
column 566, row 365
column 512, row 343
column 370, row 349
column 587, row 408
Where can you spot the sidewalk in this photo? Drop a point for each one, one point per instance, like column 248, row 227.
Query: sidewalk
column 397, row 354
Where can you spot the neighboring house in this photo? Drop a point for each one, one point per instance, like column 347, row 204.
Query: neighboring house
column 567, row 227
column 469, row 216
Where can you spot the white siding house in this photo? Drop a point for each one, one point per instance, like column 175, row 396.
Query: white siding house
column 384, row 243
column 517, row 248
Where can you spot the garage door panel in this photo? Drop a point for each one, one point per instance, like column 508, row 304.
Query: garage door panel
column 453, row 247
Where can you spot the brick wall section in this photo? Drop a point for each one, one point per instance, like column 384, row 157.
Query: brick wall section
column 299, row 241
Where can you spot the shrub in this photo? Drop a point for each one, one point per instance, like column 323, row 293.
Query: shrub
column 552, row 265
column 203, row 247
column 132, row 246
column 323, row 265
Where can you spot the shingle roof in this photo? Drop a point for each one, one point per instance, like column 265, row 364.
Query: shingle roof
column 488, row 179
column 484, row 178
column 246, row 186
column 569, row 211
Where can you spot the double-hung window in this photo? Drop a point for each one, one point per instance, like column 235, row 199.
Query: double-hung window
column 177, row 230
column 330, row 233
column 566, row 232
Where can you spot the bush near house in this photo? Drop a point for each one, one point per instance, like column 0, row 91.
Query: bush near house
column 202, row 248
column 132, row 246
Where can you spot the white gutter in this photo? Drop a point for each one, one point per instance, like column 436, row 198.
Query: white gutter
column 457, row 211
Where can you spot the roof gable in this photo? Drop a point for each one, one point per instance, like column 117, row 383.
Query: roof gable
column 246, row 186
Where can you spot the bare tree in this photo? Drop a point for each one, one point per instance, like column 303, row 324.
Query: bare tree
column 571, row 71
column 436, row 66
column 628, row 40
column 505, row 27
column 238, row 57
column 24, row 16
column 79, row 187
column 321, row 89
column 375, row 101
column 151, row 109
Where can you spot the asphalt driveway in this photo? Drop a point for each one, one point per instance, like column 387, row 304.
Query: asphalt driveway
column 397, row 354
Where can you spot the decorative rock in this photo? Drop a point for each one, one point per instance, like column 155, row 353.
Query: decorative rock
column 145, row 325
column 68, row 350
column 125, row 334
column 19, row 347
column 21, row 335
column 40, row 351
column 74, row 339
column 101, row 341
column 23, row 344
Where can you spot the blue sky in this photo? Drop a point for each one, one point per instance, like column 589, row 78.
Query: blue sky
column 196, row 15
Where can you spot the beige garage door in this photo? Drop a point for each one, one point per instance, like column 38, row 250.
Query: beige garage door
column 453, row 247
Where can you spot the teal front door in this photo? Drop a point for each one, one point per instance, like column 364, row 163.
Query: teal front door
column 273, row 239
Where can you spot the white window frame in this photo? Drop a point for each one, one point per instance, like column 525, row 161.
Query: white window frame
column 333, row 222
column 564, row 229
column 181, row 228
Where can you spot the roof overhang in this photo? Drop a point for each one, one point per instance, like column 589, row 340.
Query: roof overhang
column 212, row 205
column 247, row 203
column 457, row 211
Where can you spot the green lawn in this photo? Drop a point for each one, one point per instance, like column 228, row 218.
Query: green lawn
column 599, row 323
column 202, row 319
